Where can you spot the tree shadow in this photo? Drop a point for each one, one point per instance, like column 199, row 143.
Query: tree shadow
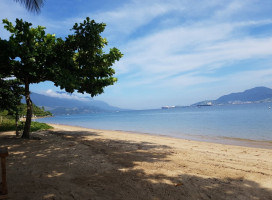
column 70, row 165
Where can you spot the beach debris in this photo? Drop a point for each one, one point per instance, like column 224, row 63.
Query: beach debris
column 178, row 184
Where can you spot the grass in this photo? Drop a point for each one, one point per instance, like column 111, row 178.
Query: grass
column 9, row 125
column 38, row 126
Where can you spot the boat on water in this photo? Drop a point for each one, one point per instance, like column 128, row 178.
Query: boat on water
column 205, row 104
column 168, row 107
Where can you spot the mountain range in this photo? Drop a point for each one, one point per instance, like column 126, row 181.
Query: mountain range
column 58, row 106
column 254, row 95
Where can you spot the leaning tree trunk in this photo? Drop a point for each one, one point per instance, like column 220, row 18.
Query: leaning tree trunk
column 26, row 133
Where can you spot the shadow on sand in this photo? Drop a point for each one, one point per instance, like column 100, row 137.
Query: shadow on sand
column 68, row 165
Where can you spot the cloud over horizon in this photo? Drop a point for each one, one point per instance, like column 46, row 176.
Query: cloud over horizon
column 199, row 48
column 65, row 95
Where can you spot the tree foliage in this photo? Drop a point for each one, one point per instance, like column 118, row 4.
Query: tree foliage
column 76, row 63
column 10, row 94
column 82, row 54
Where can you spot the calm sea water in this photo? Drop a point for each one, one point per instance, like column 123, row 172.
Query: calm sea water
column 248, row 121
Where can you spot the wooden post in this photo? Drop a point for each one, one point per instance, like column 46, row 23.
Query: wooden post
column 3, row 155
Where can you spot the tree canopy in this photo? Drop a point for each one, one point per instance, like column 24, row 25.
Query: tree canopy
column 76, row 63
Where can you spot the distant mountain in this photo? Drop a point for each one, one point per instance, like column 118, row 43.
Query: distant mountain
column 58, row 105
column 254, row 95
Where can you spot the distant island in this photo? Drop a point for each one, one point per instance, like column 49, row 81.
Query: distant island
column 64, row 106
column 254, row 95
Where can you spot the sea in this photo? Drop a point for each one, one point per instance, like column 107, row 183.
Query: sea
column 221, row 123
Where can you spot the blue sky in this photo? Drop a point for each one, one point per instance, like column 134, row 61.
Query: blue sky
column 176, row 52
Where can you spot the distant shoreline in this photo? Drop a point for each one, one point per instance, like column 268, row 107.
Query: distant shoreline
column 23, row 119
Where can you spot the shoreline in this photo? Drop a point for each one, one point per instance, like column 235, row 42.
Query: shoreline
column 198, row 138
column 23, row 119
column 71, row 162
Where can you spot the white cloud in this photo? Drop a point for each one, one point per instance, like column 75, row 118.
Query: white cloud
column 134, row 14
column 191, row 48
column 247, row 79
column 64, row 95
column 175, row 43
column 230, row 9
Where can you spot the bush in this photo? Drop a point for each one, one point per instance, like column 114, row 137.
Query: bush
column 9, row 125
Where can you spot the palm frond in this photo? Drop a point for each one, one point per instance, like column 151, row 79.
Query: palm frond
column 32, row 5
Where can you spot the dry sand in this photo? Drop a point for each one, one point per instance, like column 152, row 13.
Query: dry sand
column 78, row 163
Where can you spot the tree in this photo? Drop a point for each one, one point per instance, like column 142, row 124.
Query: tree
column 32, row 5
column 28, row 50
column 10, row 98
column 77, row 63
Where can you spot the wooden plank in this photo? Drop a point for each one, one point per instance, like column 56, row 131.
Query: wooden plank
column 3, row 152
column 3, row 155
column 3, row 196
column 4, row 176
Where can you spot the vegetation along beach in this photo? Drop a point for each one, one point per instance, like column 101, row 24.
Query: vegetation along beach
column 136, row 100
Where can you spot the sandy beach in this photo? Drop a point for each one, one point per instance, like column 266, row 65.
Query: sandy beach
column 78, row 163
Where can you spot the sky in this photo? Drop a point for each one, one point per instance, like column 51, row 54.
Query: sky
column 176, row 52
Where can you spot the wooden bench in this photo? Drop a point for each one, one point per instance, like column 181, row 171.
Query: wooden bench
column 4, row 188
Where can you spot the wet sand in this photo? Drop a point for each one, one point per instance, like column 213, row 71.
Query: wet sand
column 78, row 163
